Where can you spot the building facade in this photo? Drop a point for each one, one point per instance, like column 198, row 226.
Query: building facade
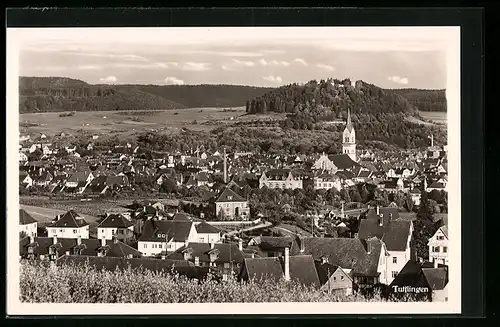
column 349, row 139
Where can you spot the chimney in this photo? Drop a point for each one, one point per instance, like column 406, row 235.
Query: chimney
column 435, row 263
column 378, row 210
column 287, row 264
column 130, row 256
column 55, row 239
column 32, row 238
column 225, row 166
column 342, row 214
column 381, row 220
column 212, row 245
column 302, row 245
column 240, row 244
column 79, row 240
column 368, row 247
column 103, row 241
column 115, row 240
column 163, row 257
column 67, row 252
column 186, row 243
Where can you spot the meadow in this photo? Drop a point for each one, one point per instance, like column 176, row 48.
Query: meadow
column 86, row 284
column 129, row 122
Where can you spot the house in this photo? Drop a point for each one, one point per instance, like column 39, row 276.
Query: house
column 69, row 225
column 299, row 268
column 25, row 180
column 270, row 246
column 27, row 223
column 182, row 268
column 207, row 233
column 51, row 248
column 425, row 284
column 334, row 279
column 384, row 224
column 165, row 236
column 327, row 181
column 366, row 259
column 416, row 195
column 23, row 157
column 44, row 179
column 78, row 178
column 281, row 178
column 438, row 246
column 115, row 225
column 231, row 206
column 334, row 163
column 203, row 179
column 224, row 259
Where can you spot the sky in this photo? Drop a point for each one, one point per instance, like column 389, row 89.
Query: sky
column 387, row 57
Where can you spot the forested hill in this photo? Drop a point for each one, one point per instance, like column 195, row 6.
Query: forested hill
column 330, row 99
column 424, row 100
column 46, row 94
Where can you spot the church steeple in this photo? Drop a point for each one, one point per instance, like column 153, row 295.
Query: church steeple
column 349, row 138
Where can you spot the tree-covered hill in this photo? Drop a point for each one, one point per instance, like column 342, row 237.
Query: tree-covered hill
column 424, row 100
column 47, row 94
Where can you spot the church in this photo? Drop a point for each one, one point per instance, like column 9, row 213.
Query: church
column 345, row 161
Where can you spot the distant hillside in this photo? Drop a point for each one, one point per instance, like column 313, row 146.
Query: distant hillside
column 424, row 100
column 378, row 115
column 329, row 99
column 46, row 94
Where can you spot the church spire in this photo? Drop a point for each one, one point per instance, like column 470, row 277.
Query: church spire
column 348, row 116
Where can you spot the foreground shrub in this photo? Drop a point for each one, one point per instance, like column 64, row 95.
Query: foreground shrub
column 41, row 283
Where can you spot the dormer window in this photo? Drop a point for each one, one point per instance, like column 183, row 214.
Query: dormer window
column 230, row 197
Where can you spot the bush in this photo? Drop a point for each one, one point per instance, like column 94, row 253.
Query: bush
column 85, row 284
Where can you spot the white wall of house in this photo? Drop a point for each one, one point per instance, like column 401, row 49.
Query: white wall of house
column 29, row 229
column 438, row 248
column 440, row 295
column 108, row 233
column 209, row 238
column 230, row 208
column 395, row 262
column 64, row 232
column 154, row 248
column 382, row 266
column 320, row 183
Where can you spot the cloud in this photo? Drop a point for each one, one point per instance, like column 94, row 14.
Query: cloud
column 327, row 67
column 300, row 61
column 195, row 66
column 263, row 62
column 109, row 79
column 228, row 68
column 166, row 65
column 399, row 80
column 280, row 63
column 237, row 54
column 244, row 63
column 273, row 79
column 173, row 81
column 89, row 67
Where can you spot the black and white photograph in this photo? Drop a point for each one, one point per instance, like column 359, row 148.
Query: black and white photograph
column 272, row 169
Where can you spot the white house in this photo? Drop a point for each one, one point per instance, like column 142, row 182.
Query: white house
column 165, row 236
column 25, row 180
column 438, row 246
column 23, row 157
column 232, row 206
column 69, row 225
column 27, row 224
column 207, row 233
column 327, row 181
column 280, row 178
column 115, row 226
column 396, row 233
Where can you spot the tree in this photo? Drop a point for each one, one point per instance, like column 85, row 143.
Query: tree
column 423, row 227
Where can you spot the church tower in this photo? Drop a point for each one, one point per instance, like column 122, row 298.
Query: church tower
column 349, row 138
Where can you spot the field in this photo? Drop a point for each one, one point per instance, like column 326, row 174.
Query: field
column 435, row 116
column 129, row 122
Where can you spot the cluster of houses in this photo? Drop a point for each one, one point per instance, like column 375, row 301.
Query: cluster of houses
column 149, row 236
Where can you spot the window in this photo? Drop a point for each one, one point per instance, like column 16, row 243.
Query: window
column 112, row 232
column 226, row 265
column 440, row 237
column 435, row 249
column 445, row 249
column 341, row 277
column 102, row 230
column 394, row 260
column 334, row 278
column 145, row 246
column 394, row 274
column 75, row 231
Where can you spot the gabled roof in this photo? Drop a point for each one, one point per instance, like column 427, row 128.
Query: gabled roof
column 25, row 218
column 228, row 195
column 204, row 228
column 273, row 242
column 115, row 221
column 79, row 176
column 413, row 274
column 227, row 252
column 348, row 253
column 436, row 277
column 342, row 161
column 302, row 269
column 70, row 220
column 153, row 231
column 89, row 247
column 445, row 230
